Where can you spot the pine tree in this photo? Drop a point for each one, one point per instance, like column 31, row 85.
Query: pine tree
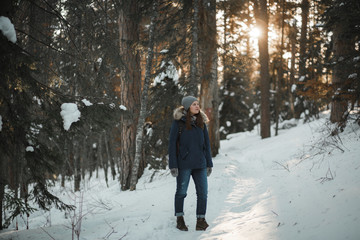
column 343, row 20
column 236, row 91
column 28, row 109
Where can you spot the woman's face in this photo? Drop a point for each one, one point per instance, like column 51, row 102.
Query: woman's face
column 194, row 108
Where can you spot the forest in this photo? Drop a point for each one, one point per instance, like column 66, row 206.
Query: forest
column 90, row 86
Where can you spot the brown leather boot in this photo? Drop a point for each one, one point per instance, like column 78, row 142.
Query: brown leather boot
column 201, row 224
column 180, row 224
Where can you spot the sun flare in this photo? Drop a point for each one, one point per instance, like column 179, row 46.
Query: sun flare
column 255, row 32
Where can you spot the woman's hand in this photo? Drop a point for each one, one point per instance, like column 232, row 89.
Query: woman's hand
column 174, row 172
column 209, row 170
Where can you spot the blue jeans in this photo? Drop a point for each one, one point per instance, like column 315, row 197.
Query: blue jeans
column 182, row 182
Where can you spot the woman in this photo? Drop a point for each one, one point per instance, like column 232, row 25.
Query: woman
column 189, row 155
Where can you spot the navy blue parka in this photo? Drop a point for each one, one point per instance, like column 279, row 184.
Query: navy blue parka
column 194, row 144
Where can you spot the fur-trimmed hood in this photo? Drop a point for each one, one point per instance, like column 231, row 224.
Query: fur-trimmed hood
column 180, row 112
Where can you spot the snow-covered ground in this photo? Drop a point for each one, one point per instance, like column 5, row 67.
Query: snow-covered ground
column 300, row 184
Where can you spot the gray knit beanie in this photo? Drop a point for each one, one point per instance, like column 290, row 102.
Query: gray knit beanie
column 187, row 101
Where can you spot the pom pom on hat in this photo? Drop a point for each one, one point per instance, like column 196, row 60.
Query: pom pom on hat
column 187, row 101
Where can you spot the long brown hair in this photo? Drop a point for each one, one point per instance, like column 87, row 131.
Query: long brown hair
column 199, row 120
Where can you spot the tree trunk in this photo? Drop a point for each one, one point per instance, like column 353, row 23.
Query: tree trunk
column 130, row 85
column 303, row 38
column 2, row 192
column 103, row 162
column 280, row 78
column 3, row 181
column 65, row 163
column 261, row 16
column 110, row 155
column 277, row 101
column 300, row 108
column 209, row 93
column 77, row 165
column 194, row 81
column 343, row 46
column 292, row 37
column 225, row 43
column 143, row 103
column 93, row 158
column 85, row 157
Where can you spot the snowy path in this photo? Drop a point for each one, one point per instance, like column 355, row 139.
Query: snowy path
column 251, row 196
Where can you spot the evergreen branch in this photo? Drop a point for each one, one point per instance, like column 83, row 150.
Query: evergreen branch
column 55, row 12
column 45, row 44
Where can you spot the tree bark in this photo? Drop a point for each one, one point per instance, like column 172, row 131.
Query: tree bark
column 130, row 85
column 225, row 42
column 303, row 38
column 77, row 165
column 104, row 161
column 280, row 78
column 209, row 94
column 261, row 16
column 110, row 155
column 194, row 81
column 343, row 46
column 292, row 38
column 2, row 194
column 300, row 108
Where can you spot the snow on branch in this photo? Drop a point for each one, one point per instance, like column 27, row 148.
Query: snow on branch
column 7, row 28
column 169, row 72
column 87, row 102
column 69, row 113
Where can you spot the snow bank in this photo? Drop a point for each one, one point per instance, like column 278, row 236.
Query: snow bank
column 297, row 185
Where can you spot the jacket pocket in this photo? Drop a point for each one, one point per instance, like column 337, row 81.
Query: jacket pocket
column 183, row 154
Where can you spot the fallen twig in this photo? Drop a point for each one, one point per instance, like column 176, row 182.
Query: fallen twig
column 123, row 236
column 274, row 213
column 47, row 233
column 286, row 167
